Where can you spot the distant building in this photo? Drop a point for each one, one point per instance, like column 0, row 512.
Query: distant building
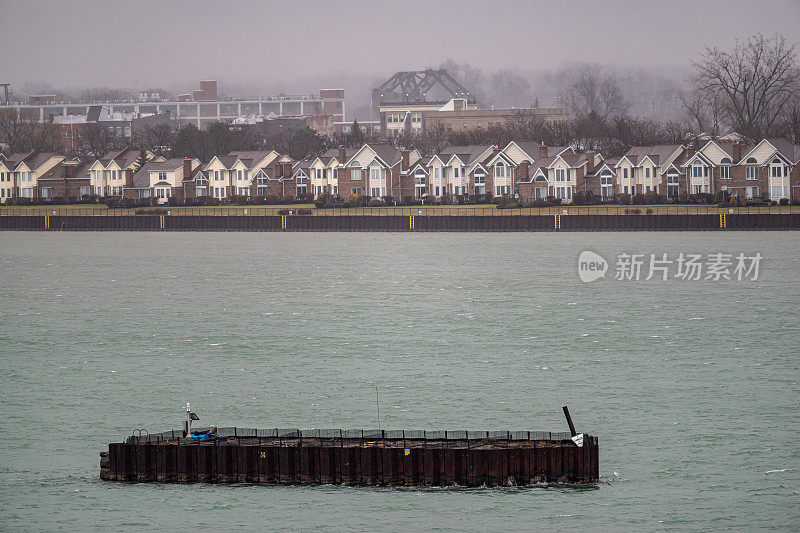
column 271, row 125
column 202, row 107
column 118, row 124
column 456, row 114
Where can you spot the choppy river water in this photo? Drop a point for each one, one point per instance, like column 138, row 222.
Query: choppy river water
column 691, row 386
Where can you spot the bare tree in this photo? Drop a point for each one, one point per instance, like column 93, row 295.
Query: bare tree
column 94, row 140
column 15, row 129
column 704, row 110
column 586, row 90
column 158, row 138
column 470, row 76
column 511, row 89
column 22, row 133
column 756, row 81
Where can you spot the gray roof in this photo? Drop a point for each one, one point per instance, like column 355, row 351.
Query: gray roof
column 790, row 150
column 334, row 152
column 532, row 148
column 32, row 159
column 252, row 155
column 388, row 153
column 123, row 158
column 81, row 172
column 467, row 154
column 658, row 153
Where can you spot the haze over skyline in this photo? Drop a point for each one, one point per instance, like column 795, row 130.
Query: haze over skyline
column 149, row 43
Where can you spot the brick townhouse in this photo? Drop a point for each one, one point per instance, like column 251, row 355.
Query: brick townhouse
column 20, row 172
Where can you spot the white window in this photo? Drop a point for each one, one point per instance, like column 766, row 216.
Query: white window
column 162, row 176
column 499, row 170
column 502, row 190
column 672, row 183
column 419, row 183
column 480, row 182
column 47, row 192
column 699, row 171
column 752, row 172
column 606, row 185
column 565, row 193
column 752, row 192
column 725, row 169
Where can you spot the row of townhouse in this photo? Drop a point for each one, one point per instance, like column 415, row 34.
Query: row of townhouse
column 523, row 169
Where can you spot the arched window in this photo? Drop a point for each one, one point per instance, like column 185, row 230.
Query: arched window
column 725, row 168
column 606, row 185
column 480, row 182
column 499, row 170
column 752, row 172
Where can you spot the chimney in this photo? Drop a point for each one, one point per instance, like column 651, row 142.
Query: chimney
column 495, row 151
column 590, row 162
column 342, row 155
column 187, row 168
column 458, row 104
column 738, row 151
column 129, row 177
column 543, row 150
column 67, row 170
column 278, row 170
column 524, row 169
column 690, row 151
column 287, row 169
column 406, row 157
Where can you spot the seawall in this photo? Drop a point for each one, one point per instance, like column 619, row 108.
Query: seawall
column 682, row 222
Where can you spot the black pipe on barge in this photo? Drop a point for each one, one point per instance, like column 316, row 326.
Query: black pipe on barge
column 356, row 457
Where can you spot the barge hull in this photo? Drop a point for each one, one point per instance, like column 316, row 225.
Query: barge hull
column 354, row 462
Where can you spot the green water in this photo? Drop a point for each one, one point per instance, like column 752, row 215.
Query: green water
column 691, row 386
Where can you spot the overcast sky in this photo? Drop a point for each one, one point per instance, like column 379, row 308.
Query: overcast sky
column 149, row 43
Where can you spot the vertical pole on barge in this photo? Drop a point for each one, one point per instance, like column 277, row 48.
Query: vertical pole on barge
column 569, row 421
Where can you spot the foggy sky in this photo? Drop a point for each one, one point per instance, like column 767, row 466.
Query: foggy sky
column 134, row 44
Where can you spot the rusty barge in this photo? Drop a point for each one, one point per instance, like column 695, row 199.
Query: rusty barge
column 354, row 457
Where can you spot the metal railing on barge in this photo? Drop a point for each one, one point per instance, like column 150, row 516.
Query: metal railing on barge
column 363, row 434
